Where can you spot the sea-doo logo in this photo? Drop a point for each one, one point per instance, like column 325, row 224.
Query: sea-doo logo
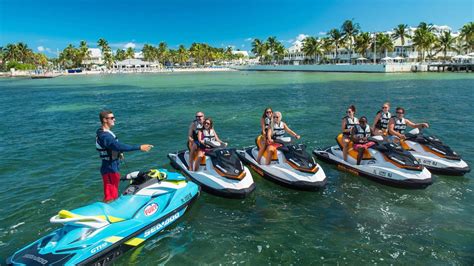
column 35, row 258
column 150, row 209
column 161, row 225
column 99, row 248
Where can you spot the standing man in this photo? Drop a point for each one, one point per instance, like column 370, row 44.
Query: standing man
column 193, row 141
column 111, row 151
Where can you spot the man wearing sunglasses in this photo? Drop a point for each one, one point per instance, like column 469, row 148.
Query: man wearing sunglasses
column 398, row 125
column 193, row 141
column 111, row 151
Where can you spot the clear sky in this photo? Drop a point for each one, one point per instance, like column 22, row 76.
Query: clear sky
column 50, row 25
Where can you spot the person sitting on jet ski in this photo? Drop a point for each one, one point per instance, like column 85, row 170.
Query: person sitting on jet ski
column 208, row 139
column 111, row 151
column 348, row 122
column 265, row 123
column 380, row 125
column 279, row 128
column 359, row 135
column 193, row 141
column 398, row 125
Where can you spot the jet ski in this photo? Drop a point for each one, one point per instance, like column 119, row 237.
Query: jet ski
column 433, row 154
column 221, row 172
column 98, row 233
column 385, row 162
column 291, row 165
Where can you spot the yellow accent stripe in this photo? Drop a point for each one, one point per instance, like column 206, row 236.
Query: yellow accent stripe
column 135, row 241
column 113, row 239
column 63, row 214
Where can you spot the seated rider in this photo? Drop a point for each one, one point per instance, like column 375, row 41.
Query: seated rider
column 193, row 141
column 348, row 122
column 359, row 135
column 207, row 138
column 398, row 125
column 380, row 125
column 265, row 124
column 276, row 131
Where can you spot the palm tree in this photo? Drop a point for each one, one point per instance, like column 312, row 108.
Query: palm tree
column 11, row 53
column 336, row 38
column 446, row 42
column 25, row 53
column 467, row 35
column 312, row 47
column 106, row 52
column 120, row 55
column 279, row 52
column 162, row 52
column 272, row 45
column 148, row 52
column 84, row 53
column 384, row 43
column 260, row 49
column 182, row 55
column 401, row 32
column 423, row 38
column 362, row 43
column 69, row 57
column 349, row 29
column 327, row 46
column 130, row 53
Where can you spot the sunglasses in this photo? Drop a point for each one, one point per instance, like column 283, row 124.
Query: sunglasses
column 268, row 112
column 348, row 112
column 384, row 107
column 400, row 113
column 199, row 116
column 207, row 123
column 111, row 118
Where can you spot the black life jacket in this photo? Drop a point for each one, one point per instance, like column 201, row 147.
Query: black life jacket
column 278, row 130
column 350, row 123
column 104, row 153
column 400, row 125
column 362, row 132
column 197, row 127
column 383, row 120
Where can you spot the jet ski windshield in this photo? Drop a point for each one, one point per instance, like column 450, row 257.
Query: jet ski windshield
column 434, row 145
column 298, row 158
column 227, row 163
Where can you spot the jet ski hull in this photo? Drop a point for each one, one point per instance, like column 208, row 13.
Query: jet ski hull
column 210, row 181
column 301, row 180
column 104, row 244
column 381, row 174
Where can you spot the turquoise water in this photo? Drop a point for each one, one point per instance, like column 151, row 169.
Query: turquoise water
column 48, row 162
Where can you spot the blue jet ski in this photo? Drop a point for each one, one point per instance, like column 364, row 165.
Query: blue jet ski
column 98, row 233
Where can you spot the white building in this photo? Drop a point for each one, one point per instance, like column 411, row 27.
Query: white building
column 95, row 57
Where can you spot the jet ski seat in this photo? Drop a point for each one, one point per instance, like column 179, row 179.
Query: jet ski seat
column 353, row 153
column 123, row 208
column 258, row 142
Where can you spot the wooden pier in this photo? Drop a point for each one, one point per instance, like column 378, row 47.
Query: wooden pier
column 451, row 67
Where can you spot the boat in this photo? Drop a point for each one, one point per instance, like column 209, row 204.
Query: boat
column 221, row 172
column 291, row 166
column 431, row 152
column 99, row 233
column 385, row 162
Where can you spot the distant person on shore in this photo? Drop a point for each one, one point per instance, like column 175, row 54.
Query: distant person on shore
column 398, row 125
column 265, row 124
column 380, row 125
column 193, row 141
column 111, row 152
column 348, row 122
column 207, row 139
column 360, row 137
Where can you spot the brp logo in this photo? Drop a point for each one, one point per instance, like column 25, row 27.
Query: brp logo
column 151, row 209
column 236, row 171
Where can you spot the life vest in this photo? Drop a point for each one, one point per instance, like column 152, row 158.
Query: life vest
column 278, row 130
column 383, row 121
column 208, row 135
column 197, row 127
column 362, row 132
column 104, row 153
column 400, row 125
column 350, row 123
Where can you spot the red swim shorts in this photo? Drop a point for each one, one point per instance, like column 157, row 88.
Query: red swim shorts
column 111, row 185
column 364, row 146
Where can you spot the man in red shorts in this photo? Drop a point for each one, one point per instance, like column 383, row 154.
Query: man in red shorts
column 111, row 151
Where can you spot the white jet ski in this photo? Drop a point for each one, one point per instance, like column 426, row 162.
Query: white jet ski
column 385, row 162
column 438, row 157
column 220, row 173
column 291, row 166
